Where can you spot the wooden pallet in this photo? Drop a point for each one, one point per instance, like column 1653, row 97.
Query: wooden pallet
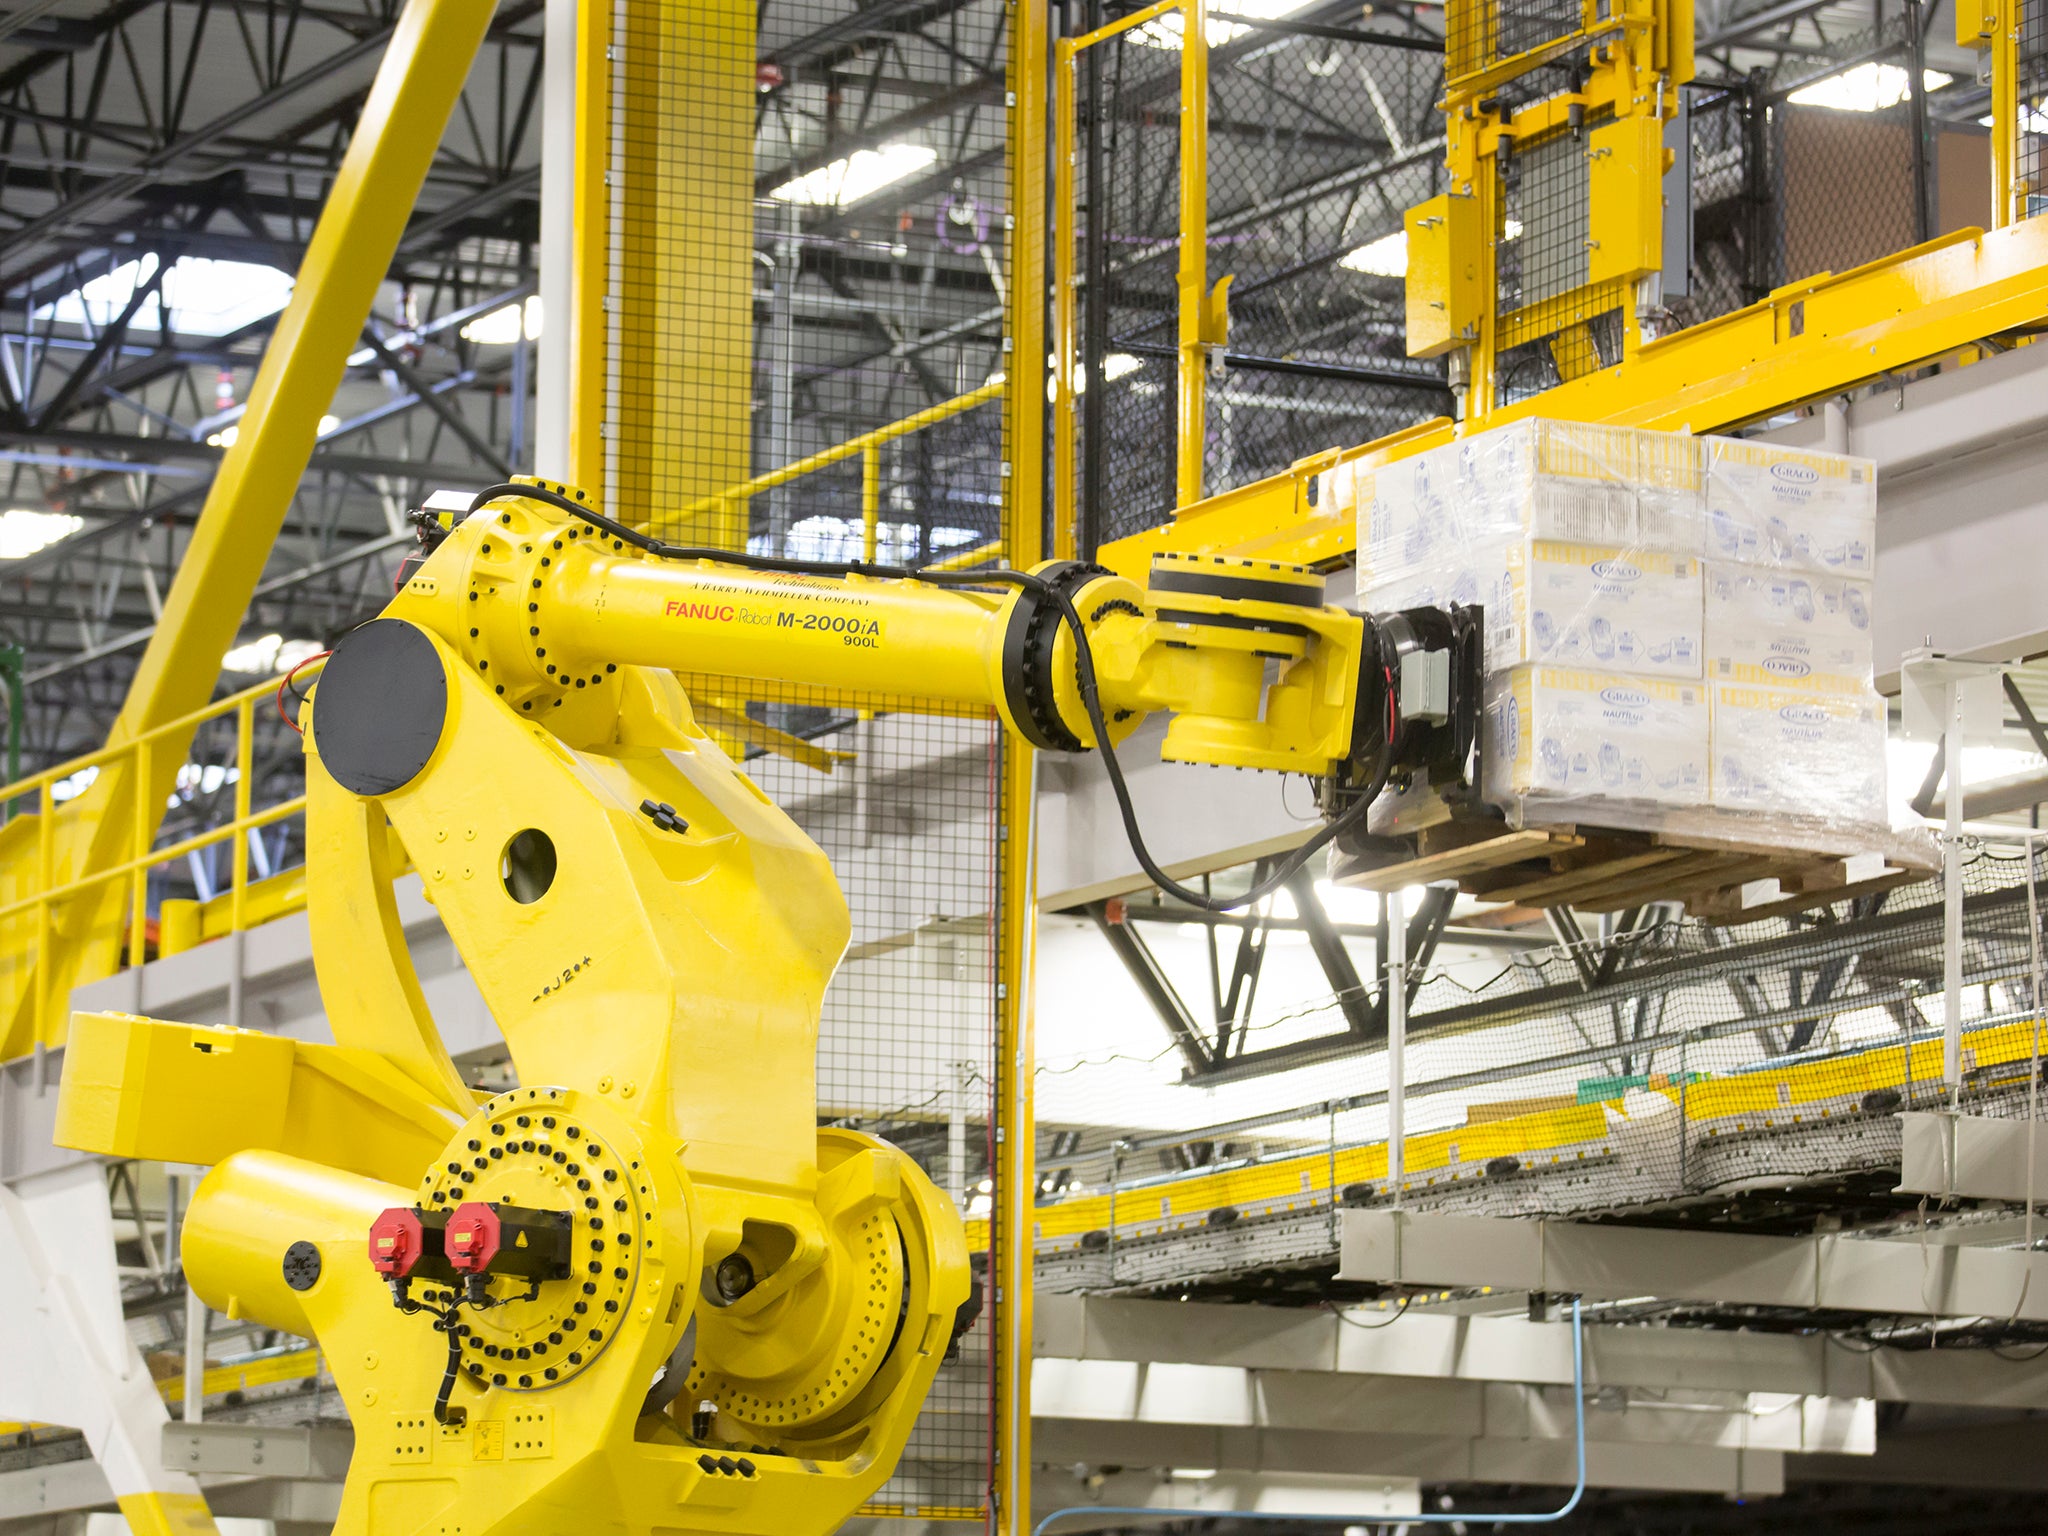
column 1606, row 869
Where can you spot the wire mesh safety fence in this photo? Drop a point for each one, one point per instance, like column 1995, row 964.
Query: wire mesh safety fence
column 1745, row 1072
column 819, row 256
column 1316, row 145
column 1729, row 265
column 2030, row 126
column 907, row 807
column 806, row 227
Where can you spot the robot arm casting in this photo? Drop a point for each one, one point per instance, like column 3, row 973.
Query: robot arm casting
column 559, row 1279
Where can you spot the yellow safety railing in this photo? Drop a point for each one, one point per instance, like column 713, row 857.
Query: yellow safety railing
column 244, row 903
column 1202, row 322
column 868, row 448
column 49, row 894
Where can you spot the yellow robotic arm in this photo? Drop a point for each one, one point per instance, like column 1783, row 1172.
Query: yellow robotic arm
column 644, row 1291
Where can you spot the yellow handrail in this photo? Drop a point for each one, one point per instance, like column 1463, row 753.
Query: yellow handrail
column 968, row 558
column 867, row 445
column 1199, row 312
column 102, row 755
column 48, row 893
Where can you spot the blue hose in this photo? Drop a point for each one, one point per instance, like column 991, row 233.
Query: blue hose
column 1152, row 1512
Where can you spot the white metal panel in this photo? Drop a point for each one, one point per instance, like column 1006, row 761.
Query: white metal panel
column 1196, row 1394
column 68, row 1356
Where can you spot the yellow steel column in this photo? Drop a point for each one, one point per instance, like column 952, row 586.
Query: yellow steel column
column 680, row 258
column 1016, row 1172
column 2006, row 192
column 870, row 499
column 590, row 246
column 1191, row 417
column 1066, row 498
column 351, row 250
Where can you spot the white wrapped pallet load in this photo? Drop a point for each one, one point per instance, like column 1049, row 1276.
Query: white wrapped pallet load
column 1802, row 752
column 1786, row 625
column 1789, row 508
column 1612, row 609
column 1612, row 487
column 1565, row 733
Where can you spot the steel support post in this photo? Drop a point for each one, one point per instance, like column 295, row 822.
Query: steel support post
column 1925, row 221
column 1016, row 912
column 589, row 248
column 1394, row 904
column 555, row 352
column 1191, row 412
column 1952, row 896
column 351, row 250
column 2005, row 115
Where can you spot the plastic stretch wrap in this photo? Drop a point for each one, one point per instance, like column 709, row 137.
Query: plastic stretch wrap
column 1792, row 626
column 1678, row 629
column 1566, row 734
column 1583, row 605
column 1790, row 510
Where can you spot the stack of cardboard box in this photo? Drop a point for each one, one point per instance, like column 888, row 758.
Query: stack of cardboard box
column 1671, row 622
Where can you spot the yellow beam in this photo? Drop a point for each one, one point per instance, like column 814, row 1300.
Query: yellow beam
column 1016, row 1175
column 1805, row 342
column 351, row 250
column 1191, row 417
column 679, row 263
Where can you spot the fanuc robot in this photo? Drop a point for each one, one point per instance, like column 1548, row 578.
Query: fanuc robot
column 644, row 1292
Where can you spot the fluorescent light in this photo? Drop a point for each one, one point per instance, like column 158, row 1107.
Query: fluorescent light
column 449, row 501
column 71, row 786
column 1866, row 88
column 1166, row 31
column 1115, row 365
column 23, row 532
column 225, row 437
column 2032, row 120
column 1384, row 257
column 269, row 654
column 859, row 174
column 500, row 328
column 204, row 297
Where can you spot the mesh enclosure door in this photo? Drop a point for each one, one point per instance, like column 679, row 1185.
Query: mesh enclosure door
column 2030, row 128
column 907, row 807
column 805, row 207
column 804, row 246
column 1316, row 146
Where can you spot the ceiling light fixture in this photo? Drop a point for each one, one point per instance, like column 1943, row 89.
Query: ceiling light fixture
column 23, row 532
column 1866, row 88
column 858, row 175
column 501, row 327
column 203, row 297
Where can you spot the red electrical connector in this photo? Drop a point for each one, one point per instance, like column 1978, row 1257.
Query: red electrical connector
column 474, row 1233
column 493, row 1239
column 406, row 1243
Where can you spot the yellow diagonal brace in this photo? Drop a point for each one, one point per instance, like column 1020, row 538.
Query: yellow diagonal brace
column 352, row 248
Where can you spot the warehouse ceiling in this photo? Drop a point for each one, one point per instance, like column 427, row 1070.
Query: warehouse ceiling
column 162, row 162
